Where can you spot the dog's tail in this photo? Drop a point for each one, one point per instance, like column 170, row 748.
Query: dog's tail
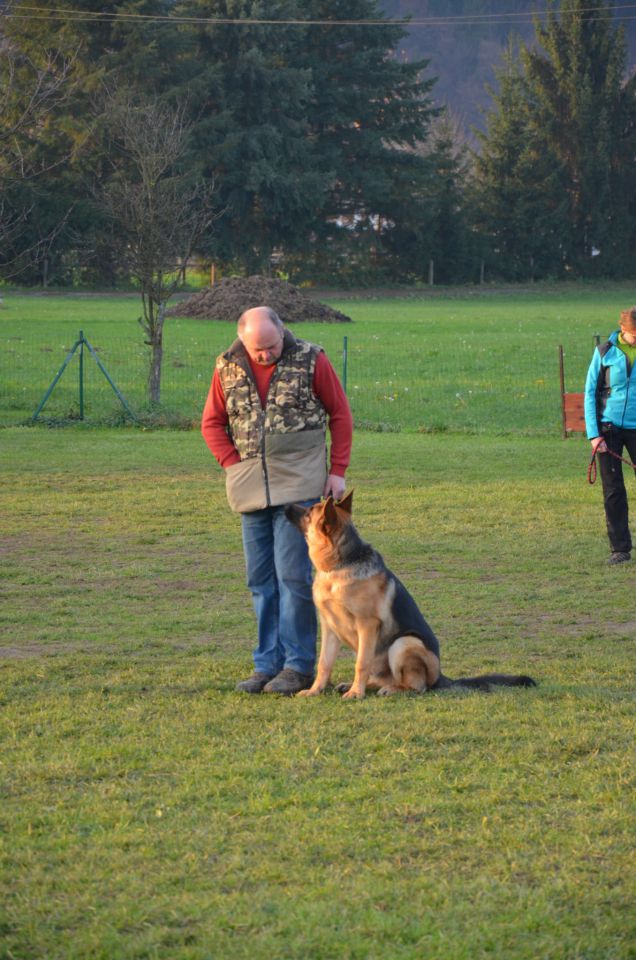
column 485, row 682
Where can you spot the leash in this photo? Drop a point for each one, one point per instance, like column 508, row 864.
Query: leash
column 591, row 470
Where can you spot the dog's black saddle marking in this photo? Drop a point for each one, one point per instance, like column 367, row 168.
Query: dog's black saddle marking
column 408, row 618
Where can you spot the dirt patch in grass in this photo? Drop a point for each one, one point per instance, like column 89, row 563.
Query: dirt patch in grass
column 588, row 624
column 28, row 650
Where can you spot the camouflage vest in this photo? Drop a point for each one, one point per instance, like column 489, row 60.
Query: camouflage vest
column 291, row 405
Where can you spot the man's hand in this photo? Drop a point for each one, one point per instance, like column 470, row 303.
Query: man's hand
column 334, row 487
column 598, row 445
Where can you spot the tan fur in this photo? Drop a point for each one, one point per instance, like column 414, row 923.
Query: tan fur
column 352, row 609
column 415, row 667
column 360, row 602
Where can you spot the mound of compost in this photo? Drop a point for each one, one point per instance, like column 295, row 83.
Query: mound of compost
column 228, row 299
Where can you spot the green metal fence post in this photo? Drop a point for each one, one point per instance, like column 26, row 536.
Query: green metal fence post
column 105, row 372
column 55, row 380
column 344, row 363
column 81, row 375
column 80, row 343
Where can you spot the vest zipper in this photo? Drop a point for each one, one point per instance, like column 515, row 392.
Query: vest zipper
column 248, row 370
column 275, row 376
column 264, row 465
column 628, row 379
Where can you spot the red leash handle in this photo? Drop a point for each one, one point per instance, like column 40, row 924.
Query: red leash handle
column 591, row 470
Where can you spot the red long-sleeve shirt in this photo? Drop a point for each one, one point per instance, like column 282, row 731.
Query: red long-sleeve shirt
column 327, row 388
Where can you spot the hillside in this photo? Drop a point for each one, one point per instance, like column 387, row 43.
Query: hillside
column 463, row 56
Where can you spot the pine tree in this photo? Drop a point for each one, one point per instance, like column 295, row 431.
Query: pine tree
column 302, row 126
column 367, row 115
column 452, row 247
column 251, row 88
column 555, row 175
column 585, row 113
column 516, row 191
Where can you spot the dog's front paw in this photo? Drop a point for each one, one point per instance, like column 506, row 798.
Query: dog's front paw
column 311, row 692
column 354, row 694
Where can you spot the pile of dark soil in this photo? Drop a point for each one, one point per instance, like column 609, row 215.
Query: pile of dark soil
column 228, row 299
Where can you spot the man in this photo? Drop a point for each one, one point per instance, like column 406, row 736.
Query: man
column 265, row 420
column 610, row 418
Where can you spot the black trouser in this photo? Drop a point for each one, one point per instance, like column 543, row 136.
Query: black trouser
column 614, row 492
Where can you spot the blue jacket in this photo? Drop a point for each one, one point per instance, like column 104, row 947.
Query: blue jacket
column 610, row 389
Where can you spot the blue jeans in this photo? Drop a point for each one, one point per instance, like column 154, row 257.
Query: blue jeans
column 279, row 577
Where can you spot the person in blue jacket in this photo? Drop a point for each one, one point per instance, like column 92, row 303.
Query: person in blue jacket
column 610, row 419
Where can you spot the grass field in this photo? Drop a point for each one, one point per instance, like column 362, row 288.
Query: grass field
column 474, row 360
column 148, row 811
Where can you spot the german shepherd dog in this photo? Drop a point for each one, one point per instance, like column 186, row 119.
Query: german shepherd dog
column 362, row 603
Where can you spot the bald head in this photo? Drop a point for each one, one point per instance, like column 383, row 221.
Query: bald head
column 261, row 330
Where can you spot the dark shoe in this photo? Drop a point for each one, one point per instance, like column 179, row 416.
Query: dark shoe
column 255, row 683
column 618, row 556
column 288, row 682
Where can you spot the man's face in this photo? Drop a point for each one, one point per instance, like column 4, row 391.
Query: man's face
column 263, row 342
column 628, row 336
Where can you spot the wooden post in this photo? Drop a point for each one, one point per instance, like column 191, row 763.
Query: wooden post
column 482, row 268
column 431, row 273
column 212, row 274
column 562, row 382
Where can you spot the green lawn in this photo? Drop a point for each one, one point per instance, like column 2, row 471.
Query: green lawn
column 474, row 360
column 149, row 811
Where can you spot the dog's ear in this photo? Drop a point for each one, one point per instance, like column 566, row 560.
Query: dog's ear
column 345, row 503
column 329, row 515
column 323, row 506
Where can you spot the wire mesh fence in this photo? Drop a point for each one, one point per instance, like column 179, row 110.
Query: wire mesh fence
column 402, row 380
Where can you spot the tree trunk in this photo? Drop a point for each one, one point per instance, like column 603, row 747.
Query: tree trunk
column 156, row 358
column 154, row 379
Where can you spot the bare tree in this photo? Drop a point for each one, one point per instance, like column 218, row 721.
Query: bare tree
column 159, row 211
column 29, row 93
